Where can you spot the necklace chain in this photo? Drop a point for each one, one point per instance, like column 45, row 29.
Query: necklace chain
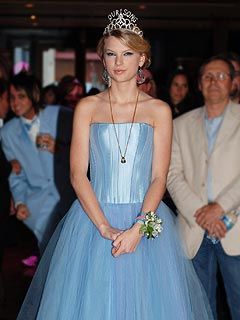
column 122, row 154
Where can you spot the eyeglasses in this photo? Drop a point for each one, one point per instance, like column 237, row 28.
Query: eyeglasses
column 219, row 76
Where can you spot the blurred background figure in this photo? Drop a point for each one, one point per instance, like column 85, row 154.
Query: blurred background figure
column 5, row 170
column 178, row 94
column 93, row 91
column 4, row 101
column 148, row 86
column 50, row 95
column 181, row 101
column 70, row 91
column 62, row 160
column 234, row 58
column 6, row 167
column 30, row 138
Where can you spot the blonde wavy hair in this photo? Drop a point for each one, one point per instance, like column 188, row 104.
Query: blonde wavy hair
column 131, row 40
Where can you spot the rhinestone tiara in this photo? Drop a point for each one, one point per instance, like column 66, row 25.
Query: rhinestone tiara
column 122, row 19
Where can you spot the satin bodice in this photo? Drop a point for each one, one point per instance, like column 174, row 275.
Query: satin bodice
column 112, row 181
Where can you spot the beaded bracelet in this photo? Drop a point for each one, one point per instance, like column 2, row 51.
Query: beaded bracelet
column 140, row 218
column 151, row 224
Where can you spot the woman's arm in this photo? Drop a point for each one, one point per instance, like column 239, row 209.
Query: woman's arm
column 79, row 158
column 161, row 157
column 128, row 241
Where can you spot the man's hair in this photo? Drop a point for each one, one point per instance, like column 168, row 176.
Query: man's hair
column 217, row 58
column 232, row 56
column 30, row 84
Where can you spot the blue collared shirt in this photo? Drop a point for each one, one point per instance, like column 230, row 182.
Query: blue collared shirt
column 212, row 127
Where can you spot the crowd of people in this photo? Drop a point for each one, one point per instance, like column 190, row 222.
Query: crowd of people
column 85, row 171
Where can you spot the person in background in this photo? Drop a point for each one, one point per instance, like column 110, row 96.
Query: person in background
column 62, row 152
column 178, row 98
column 4, row 101
column 178, row 94
column 93, row 91
column 70, row 91
column 234, row 58
column 147, row 83
column 5, row 198
column 30, row 138
column 49, row 95
column 204, row 182
column 62, row 160
column 6, row 168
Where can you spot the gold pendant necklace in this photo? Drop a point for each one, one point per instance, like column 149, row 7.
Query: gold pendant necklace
column 123, row 155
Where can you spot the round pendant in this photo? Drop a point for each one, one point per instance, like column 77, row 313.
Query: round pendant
column 123, row 160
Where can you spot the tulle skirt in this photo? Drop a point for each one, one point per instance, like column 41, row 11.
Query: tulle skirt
column 79, row 279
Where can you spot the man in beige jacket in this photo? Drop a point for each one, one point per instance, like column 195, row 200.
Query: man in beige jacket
column 204, row 182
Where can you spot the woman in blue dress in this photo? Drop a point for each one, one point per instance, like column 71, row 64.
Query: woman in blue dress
column 99, row 263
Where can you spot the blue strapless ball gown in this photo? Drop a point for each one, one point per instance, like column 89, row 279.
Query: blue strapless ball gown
column 79, row 279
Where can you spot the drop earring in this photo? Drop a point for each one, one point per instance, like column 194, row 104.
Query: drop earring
column 106, row 78
column 140, row 76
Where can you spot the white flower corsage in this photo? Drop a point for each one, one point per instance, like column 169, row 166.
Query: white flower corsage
column 151, row 224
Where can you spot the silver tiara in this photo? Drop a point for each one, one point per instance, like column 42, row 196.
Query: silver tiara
column 122, row 19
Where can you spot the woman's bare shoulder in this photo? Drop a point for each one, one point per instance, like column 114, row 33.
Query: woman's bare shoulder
column 159, row 105
column 162, row 113
column 153, row 102
column 92, row 101
column 88, row 105
column 156, row 108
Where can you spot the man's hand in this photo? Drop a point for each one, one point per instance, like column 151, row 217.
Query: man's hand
column 208, row 214
column 217, row 229
column 22, row 212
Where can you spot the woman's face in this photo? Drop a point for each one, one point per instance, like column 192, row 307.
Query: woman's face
column 120, row 61
column 178, row 89
column 49, row 97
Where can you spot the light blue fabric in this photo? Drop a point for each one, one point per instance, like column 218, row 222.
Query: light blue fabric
column 120, row 183
column 212, row 127
column 79, row 279
column 34, row 186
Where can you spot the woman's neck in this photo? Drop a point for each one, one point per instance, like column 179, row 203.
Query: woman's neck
column 123, row 92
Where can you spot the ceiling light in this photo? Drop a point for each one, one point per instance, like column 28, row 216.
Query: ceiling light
column 29, row 5
column 142, row 6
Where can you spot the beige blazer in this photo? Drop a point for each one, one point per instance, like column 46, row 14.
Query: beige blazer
column 187, row 178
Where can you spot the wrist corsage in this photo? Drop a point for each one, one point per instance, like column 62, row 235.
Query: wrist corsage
column 151, row 224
